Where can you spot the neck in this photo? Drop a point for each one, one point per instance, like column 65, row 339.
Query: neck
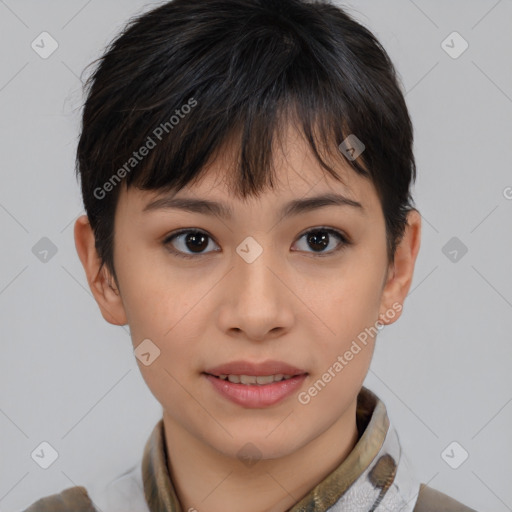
column 206, row 480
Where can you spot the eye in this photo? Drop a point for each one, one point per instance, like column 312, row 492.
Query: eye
column 190, row 243
column 188, row 239
column 321, row 238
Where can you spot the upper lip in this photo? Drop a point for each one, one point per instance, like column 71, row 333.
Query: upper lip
column 255, row 369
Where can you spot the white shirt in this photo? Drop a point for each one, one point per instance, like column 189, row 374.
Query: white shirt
column 123, row 494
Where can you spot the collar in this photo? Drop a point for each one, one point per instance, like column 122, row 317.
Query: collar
column 375, row 474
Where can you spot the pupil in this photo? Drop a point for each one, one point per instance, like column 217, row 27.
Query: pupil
column 198, row 241
column 322, row 241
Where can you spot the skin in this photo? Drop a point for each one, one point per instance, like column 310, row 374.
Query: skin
column 290, row 304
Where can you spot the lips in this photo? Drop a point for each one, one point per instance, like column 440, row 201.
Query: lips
column 256, row 385
column 248, row 368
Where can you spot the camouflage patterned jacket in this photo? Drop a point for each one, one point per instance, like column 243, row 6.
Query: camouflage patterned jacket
column 376, row 477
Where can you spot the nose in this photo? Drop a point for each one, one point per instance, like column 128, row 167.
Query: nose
column 257, row 303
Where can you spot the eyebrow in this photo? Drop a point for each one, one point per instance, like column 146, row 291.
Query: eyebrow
column 295, row 207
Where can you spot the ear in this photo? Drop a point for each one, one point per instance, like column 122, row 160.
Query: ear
column 100, row 280
column 400, row 271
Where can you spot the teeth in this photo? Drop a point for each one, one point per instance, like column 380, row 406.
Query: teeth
column 253, row 379
column 245, row 379
column 267, row 379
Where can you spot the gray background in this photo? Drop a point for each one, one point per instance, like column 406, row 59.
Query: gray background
column 69, row 378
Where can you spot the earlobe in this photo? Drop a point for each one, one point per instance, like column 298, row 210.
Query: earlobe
column 401, row 271
column 100, row 280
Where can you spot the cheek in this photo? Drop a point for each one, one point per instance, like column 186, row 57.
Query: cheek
column 155, row 295
column 345, row 353
column 348, row 306
column 163, row 305
column 353, row 299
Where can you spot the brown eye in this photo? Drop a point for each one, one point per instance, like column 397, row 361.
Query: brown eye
column 320, row 239
column 196, row 242
column 186, row 243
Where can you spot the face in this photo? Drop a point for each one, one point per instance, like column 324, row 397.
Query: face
column 266, row 283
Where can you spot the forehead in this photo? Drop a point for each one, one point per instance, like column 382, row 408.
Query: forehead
column 297, row 174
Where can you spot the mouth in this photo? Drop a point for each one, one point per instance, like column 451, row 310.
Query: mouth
column 258, row 380
column 256, row 385
column 255, row 373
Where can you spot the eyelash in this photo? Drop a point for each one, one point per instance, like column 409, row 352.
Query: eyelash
column 344, row 241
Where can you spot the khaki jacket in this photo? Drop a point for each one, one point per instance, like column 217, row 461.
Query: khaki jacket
column 374, row 477
column 76, row 499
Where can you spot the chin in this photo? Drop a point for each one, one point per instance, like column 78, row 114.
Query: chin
column 250, row 449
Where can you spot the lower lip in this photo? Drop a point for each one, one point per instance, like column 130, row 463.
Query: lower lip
column 255, row 395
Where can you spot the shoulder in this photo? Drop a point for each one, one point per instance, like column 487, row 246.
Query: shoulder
column 73, row 498
column 430, row 500
column 125, row 493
